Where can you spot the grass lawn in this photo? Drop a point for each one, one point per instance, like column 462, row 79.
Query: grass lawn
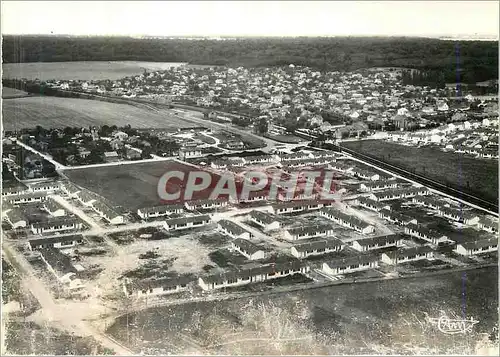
column 473, row 175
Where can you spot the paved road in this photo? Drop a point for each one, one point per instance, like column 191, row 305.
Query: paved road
column 77, row 211
column 118, row 163
column 45, row 156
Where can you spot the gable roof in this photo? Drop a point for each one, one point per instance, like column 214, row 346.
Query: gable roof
column 480, row 243
column 194, row 219
column 313, row 228
column 264, row 217
column 380, row 240
column 318, row 245
column 56, row 239
column 357, row 260
column 232, row 227
column 246, row 246
column 64, row 221
column 356, row 222
column 167, row 208
column 409, row 252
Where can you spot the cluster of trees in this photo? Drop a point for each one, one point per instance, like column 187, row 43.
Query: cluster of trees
column 476, row 60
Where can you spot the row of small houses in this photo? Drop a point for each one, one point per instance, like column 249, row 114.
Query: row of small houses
column 458, row 215
column 56, row 223
column 230, row 278
column 255, row 273
column 300, row 159
column 90, row 199
column 455, row 214
column 37, row 187
column 168, row 210
column 349, row 168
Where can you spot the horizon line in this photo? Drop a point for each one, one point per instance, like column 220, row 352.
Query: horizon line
column 476, row 37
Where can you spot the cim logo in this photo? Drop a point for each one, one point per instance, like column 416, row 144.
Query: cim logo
column 179, row 186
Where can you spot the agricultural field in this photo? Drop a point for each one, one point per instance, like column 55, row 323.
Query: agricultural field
column 474, row 175
column 129, row 186
column 54, row 112
column 8, row 93
column 81, row 70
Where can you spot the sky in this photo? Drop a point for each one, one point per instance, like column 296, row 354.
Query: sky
column 252, row 18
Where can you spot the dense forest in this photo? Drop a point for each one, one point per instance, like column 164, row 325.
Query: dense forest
column 473, row 60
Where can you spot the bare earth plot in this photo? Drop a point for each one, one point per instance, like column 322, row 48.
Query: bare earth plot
column 81, row 70
column 478, row 176
column 61, row 112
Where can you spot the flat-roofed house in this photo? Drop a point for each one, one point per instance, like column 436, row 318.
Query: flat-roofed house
column 56, row 225
column 157, row 287
column 233, row 230
column 205, row 204
column 350, row 265
column 248, row 249
column 160, row 211
column 306, row 232
column 424, row 233
column 346, row 220
column 407, row 255
column 477, row 247
column 174, row 224
column 318, row 247
column 488, row 225
column 54, row 209
column 267, row 221
column 60, row 242
column 381, row 242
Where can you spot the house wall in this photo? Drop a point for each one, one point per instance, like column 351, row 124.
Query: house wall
column 335, row 271
column 462, row 251
column 38, row 230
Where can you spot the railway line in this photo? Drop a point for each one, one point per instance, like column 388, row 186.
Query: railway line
column 464, row 197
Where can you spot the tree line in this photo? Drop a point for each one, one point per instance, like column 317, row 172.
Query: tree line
column 473, row 60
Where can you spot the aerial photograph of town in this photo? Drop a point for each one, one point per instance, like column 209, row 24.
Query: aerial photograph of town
column 250, row 178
